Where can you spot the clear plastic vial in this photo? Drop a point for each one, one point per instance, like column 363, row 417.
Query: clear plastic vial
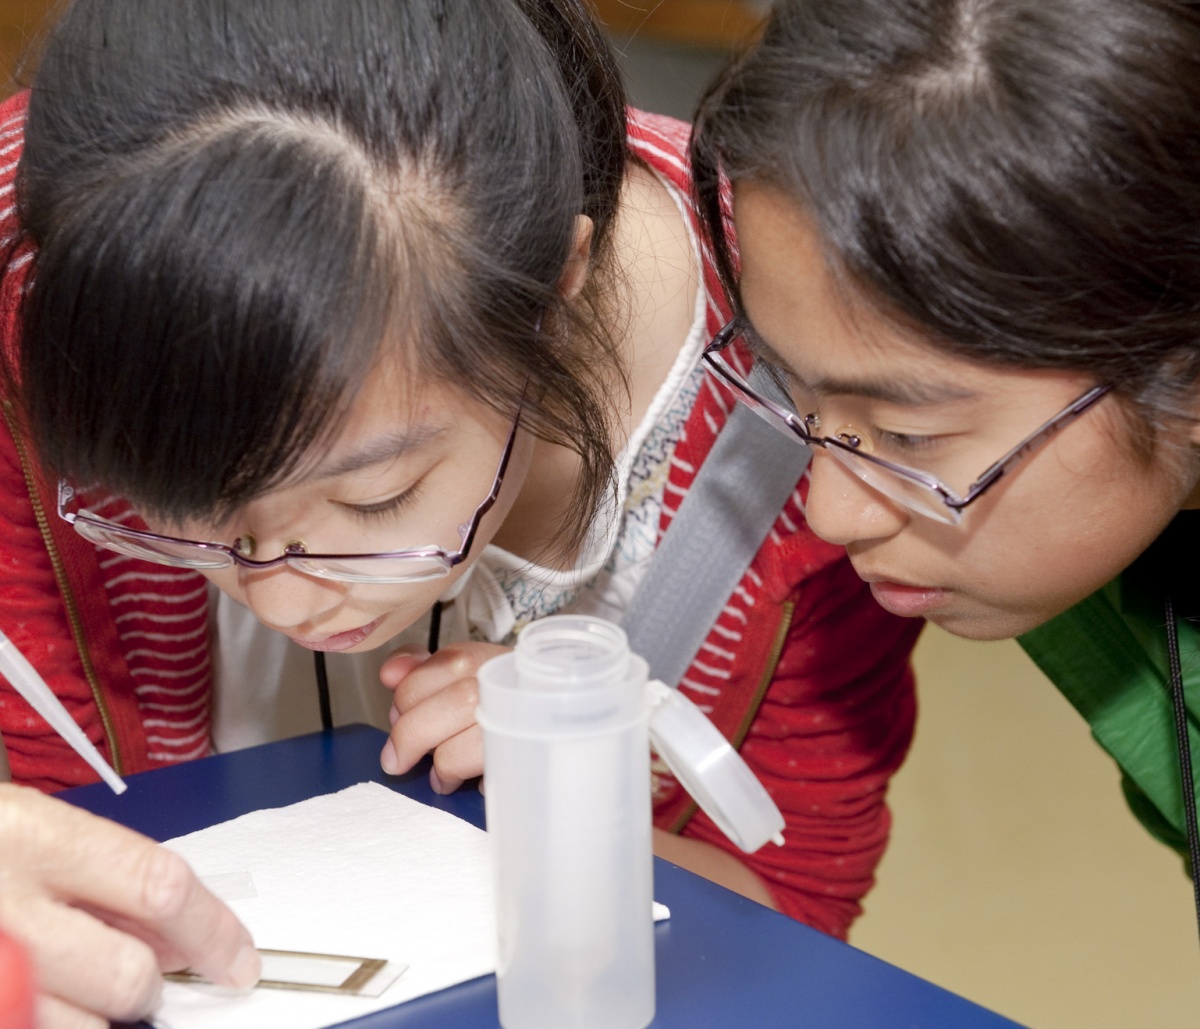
column 566, row 762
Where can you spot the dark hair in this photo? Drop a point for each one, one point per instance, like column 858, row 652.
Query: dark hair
column 1015, row 180
column 235, row 203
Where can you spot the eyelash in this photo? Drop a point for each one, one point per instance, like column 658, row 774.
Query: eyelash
column 384, row 508
column 785, row 381
column 781, row 379
column 905, row 442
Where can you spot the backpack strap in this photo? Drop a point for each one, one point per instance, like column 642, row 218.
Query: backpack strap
column 734, row 500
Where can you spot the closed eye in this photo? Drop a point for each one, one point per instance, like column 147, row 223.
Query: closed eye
column 906, row 442
column 384, row 508
column 785, row 385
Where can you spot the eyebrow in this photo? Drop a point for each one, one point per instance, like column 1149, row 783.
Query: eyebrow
column 891, row 391
column 384, row 447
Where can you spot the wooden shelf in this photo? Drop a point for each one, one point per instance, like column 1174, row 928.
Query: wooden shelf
column 716, row 23
column 713, row 23
column 21, row 22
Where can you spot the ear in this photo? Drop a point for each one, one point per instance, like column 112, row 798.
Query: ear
column 579, row 262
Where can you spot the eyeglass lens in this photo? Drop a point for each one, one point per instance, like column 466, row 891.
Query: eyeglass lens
column 183, row 554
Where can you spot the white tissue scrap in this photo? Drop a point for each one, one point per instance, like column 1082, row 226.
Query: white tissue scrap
column 230, row 886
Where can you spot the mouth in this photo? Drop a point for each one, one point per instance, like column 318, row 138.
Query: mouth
column 906, row 600
column 341, row 640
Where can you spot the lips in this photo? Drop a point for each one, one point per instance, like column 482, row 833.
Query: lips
column 905, row 600
column 339, row 641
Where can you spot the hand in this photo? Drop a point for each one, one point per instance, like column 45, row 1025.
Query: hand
column 102, row 912
column 433, row 709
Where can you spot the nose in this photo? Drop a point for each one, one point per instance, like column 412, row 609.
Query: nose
column 842, row 509
column 288, row 600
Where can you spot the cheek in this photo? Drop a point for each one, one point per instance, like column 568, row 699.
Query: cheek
column 226, row 580
column 1026, row 568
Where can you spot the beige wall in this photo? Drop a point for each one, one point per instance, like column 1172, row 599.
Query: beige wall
column 1015, row 875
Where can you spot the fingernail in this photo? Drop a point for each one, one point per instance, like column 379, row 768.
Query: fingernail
column 435, row 782
column 246, row 968
column 388, row 760
column 393, row 714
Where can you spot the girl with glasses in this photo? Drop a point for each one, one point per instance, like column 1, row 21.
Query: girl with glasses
column 386, row 319
column 969, row 239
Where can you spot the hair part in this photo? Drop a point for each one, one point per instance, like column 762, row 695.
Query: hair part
column 237, row 203
column 1013, row 181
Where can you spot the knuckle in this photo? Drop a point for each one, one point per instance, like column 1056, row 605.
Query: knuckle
column 133, row 983
column 412, row 737
column 462, row 659
column 167, row 883
column 470, row 695
column 408, row 694
column 20, row 827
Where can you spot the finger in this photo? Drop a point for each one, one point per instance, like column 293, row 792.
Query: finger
column 430, row 723
column 449, row 665
column 83, row 962
column 96, row 863
column 458, row 759
column 55, row 1013
column 400, row 663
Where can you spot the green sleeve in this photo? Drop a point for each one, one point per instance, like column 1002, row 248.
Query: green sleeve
column 1108, row 657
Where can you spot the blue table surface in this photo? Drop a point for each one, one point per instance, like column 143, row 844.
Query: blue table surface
column 722, row 960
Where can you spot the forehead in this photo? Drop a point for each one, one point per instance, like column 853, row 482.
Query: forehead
column 393, row 412
column 801, row 308
column 825, row 332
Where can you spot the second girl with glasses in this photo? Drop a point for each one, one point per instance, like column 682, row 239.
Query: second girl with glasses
column 381, row 317
column 970, row 248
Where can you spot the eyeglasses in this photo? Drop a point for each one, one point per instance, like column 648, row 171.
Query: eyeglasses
column 415, row 564
column 915, row 490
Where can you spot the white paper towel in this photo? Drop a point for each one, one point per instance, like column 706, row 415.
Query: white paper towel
column 366, row 872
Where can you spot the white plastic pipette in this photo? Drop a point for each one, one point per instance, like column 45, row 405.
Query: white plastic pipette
column 33, row 688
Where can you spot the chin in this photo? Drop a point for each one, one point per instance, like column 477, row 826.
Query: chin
column 985, row 626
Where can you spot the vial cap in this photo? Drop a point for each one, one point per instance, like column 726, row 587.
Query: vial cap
column 711, row 770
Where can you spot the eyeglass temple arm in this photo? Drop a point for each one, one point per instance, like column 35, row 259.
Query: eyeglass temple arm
column 485, row 505
column 1059, row 421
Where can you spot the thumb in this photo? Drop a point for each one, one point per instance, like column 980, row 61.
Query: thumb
column 400, row 663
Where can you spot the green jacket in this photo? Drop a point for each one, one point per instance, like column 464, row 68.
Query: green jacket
column 1108, row 656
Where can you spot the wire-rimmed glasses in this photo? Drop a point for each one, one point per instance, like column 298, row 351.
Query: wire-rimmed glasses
column 915, row 490
column 413, row 564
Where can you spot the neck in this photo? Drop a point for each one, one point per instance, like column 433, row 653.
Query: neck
column 654, row 284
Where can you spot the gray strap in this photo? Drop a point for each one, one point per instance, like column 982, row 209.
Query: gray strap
column 721, row 524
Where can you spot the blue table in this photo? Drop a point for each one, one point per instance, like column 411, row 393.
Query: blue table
column 722, row 960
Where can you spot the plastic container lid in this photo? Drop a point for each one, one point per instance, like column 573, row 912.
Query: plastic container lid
column 711, row 770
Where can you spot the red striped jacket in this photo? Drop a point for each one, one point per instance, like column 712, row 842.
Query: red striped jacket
column 133, row 670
